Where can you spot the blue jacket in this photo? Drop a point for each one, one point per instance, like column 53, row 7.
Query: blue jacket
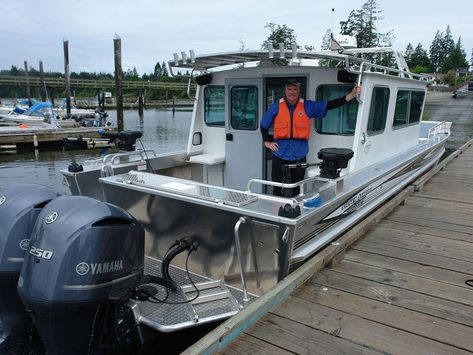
column 293, row 149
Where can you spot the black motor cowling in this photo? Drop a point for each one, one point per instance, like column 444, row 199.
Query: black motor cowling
column 20, row 205
column 333, row 161
column 84, row 256
column 124, row 140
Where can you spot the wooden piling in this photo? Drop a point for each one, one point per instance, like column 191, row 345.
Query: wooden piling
column 42, row 85
column 66, row 73
column 140, row 103
column 117, row 46
column 28, row 89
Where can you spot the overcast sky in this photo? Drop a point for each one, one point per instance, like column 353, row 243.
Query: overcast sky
column 152, row 30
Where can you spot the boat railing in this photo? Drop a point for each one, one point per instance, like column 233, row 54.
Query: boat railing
column 112, row 160
column 351, row 57
column 440, row 128
column 306, row 186
column 282, row 185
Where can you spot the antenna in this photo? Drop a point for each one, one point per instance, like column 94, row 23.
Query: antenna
column 333, row 15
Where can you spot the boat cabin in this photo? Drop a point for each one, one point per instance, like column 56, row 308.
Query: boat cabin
column 225, row 145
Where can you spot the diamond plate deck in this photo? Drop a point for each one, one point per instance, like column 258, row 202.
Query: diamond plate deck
column 216, row 301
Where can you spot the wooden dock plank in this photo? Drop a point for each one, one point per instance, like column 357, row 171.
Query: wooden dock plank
column 454, row 249
column 423, row 201
column 248, row 344
column 386, row 276
column 359, row 330
column 290, row 335
column 400, row 297
column 431, row 327
column 412, row 267
column 421, row 258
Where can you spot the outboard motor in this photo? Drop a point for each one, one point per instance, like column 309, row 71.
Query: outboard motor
column 333, row 161
column 20, row 205
column 85, row 257
column 124, row 140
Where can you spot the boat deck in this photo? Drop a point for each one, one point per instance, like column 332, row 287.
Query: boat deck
column 395, row 283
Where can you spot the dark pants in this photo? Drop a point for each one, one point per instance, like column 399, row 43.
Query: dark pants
column 281, row 174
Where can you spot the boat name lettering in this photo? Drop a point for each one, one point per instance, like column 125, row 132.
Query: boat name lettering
column 102, row 268
column 357, row 199
column 41, row 253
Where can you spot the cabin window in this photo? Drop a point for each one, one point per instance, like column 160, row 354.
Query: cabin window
column 408, row 107
column 244, row 107
column 417, row 100
column 378, row 110
column 341, row 120
column 214, row 106
column 401, row 112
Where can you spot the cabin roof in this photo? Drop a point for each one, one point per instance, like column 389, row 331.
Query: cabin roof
column 352, row 58
column 210, row 61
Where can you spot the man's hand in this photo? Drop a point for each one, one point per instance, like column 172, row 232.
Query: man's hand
column 356, row 91
column 271, row 145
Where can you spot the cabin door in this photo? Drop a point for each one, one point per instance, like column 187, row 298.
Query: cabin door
column 243, row 147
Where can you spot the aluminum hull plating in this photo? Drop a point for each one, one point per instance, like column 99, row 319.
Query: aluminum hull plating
column 271, row 245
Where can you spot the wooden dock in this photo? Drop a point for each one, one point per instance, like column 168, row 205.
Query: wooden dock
column 35, row 138
column 395, row 283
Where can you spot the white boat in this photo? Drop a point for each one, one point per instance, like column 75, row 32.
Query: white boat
column 40, row 114
column 214, row 199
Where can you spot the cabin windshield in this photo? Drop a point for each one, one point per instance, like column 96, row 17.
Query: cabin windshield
column 342, row 120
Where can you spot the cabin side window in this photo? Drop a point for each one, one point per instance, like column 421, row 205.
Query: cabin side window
column 408, row 107
column 342, row 120
column 214, row 106
column 378, row 110
column 417, row 100
column 401, row 112
column 244, row 107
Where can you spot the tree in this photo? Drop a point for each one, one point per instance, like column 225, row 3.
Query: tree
column 436, row 52
column 279, row 34
column 456, row 59
column 420, row 58
column 157, row 71
column 362, row 24
column 164, row 70
column 408, row 53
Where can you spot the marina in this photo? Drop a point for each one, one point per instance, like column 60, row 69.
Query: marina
column 172, row 241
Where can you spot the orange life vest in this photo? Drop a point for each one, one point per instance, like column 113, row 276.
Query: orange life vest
column 297, row 126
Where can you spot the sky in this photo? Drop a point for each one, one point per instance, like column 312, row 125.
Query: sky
column 152, row 30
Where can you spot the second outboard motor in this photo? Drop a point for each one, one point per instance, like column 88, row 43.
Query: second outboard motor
column 85, row 257
column 20, row 205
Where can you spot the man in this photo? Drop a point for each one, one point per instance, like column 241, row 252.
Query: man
column 291, row 117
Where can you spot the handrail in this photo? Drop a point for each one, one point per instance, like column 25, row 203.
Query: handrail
column 236, row 231
column 437, row 129
column 278, row 184
column 369, row 65
column 110, row 160
column 113, row 156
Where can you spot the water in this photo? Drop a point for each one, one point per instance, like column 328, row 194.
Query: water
column 162, row 132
